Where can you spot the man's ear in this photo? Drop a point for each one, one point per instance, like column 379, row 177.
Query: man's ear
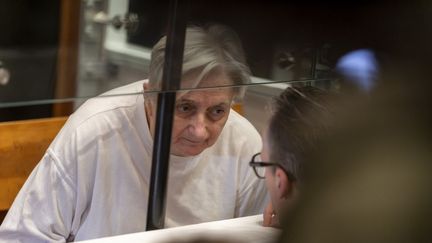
column 283, row 184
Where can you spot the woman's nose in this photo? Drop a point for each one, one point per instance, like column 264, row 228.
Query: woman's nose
column 198, row 127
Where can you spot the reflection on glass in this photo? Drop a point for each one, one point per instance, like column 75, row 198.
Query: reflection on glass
column 28, row 55
column 359, row 67
column 112, row 56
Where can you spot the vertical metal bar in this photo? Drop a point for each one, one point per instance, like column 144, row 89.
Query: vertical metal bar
column 314, row 64
column 164, row 117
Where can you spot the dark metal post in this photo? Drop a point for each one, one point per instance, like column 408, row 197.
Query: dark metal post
column 164, row 117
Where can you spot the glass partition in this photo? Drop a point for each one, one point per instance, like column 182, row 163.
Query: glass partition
column 116, row 37
column 28, row 56
column 100, row 49
column 56, row 56
column 283, row 42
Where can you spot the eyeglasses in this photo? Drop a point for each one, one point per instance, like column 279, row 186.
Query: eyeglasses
column 259, row 166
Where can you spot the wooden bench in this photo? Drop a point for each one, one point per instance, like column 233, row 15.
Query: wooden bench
column 22, row 145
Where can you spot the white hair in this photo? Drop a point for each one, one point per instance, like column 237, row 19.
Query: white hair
column 205, row 49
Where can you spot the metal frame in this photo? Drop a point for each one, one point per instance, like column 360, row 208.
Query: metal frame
column 164, row 117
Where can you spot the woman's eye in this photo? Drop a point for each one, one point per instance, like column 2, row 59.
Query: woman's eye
column 217, row 112
column 184, row 108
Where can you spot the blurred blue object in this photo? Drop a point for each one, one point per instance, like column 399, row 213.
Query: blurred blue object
column 359, row 67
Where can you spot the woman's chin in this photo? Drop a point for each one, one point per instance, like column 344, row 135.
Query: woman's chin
column 187, row 151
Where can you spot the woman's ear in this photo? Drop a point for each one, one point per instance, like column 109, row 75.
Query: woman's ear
column 283, row 184
column 149, row 102
column 146, row 86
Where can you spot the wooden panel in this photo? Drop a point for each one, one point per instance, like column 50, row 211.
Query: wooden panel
column 22, row 145
column 67, row 62
column 9, row 189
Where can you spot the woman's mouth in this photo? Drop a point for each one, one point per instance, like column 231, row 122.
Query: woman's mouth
column 191, row 142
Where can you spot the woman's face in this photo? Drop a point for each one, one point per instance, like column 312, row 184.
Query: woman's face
column 200, row 116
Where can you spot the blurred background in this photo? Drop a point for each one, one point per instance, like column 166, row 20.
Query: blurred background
column 55, row 55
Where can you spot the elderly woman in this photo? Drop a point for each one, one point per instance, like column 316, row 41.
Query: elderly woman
column 93, row 180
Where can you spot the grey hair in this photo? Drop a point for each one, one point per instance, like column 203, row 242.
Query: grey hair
column 301, row 115
column 205, row 49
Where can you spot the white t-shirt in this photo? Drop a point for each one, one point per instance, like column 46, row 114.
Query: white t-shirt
column 93, row 180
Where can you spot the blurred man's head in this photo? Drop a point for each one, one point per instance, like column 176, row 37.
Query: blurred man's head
column 369, row 179
column 300, row 116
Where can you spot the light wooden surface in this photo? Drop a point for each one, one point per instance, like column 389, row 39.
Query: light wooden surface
column 22, row 145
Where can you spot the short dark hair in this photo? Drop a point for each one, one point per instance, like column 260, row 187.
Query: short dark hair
column 300, row 116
